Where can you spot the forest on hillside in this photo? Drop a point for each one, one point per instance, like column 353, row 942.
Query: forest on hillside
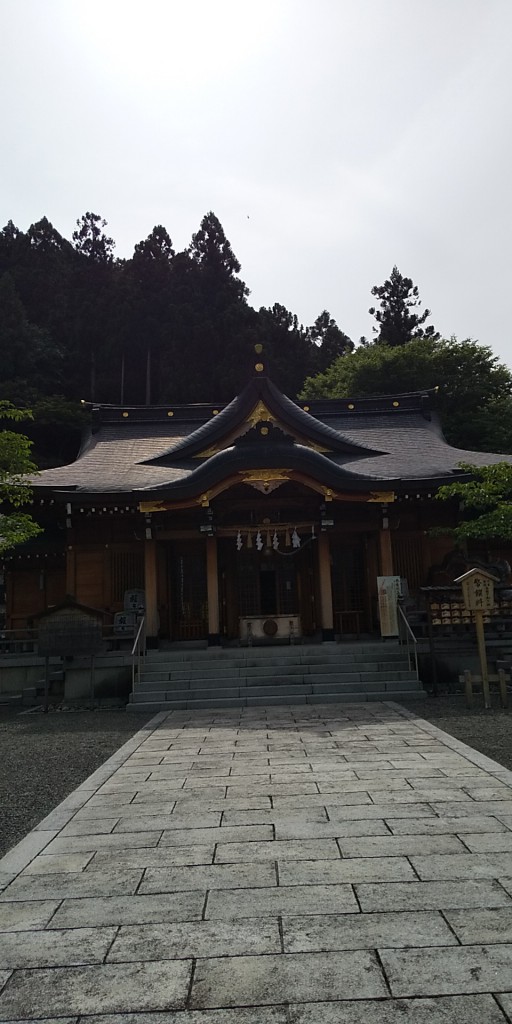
column 79, row 325
column 76, row 323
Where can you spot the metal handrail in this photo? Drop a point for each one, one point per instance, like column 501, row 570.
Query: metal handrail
column 138, row 653
column 412, row 652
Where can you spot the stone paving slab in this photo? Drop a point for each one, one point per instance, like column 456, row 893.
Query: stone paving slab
column 195, row 939
column 155, row 857
column 438, row 826
column 506, row 884
column 296, row 899
column 376, row 810
column 397, row 846
column 474, row 926
column 27, row 916
column 119, row 910
column 270, row 814
column 143, row 821
column 448, row 970
column 294, row 849
column 432, row 895
column 89, row 826
column 357, row 869
column 505, row 1000
column 96, row 813
column 4, row 977
column 466, row 865
column 48, row 1020
column 447, row 1010
column 56, row 948
column 236, row 834
column 109, row 882
column 191, row 803
column 54, row 863
column 241, row 1015
column 255, row 981
column 478, row 843
column 107, row 987
column 365, row 931
column 208, row 876
column 297, row 828
column 340, row 864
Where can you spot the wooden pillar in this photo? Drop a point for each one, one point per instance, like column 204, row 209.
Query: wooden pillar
column 212, row 584
column 150, row 587
column 324, row 569
column 70, row 571
column 386, row 553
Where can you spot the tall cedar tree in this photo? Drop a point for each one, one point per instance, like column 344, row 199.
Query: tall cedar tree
column 143, row 327
column 399, row 318
column 209, row 343
column 92, row 300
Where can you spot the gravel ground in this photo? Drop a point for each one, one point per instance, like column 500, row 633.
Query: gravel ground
column 487, row 731
column 45, row 757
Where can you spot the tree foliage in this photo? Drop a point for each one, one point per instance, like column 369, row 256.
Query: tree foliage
column 332, row 343
column 485, row 502
column 399, row 318
column 163, row 326
column 474, row 396
column 91, row 241
column 176, row 327
column 15, row 464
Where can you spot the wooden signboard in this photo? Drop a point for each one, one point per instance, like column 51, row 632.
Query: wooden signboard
column 388, row 589
column 477, row 590
column 478, row 596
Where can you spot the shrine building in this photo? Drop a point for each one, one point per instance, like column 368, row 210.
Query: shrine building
column 263, row 519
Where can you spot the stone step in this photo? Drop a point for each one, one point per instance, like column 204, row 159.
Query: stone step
column 273, row 679
column 347, row 697
column 292, row 655
column 287, row 675
column 292, row 690
column 263, row 654
column 228, row 672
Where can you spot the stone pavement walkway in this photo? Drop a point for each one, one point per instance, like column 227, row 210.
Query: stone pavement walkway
column 341, row 864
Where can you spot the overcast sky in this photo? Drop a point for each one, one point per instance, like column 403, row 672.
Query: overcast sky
column 332, row 138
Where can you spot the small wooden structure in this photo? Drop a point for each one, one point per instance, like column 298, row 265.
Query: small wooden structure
column 500, row 677
column 68, row 630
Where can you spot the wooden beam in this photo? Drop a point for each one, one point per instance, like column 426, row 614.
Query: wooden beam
column 212, row 583
column 150, row 586
column 386, row 553
column 324, row 570
column 70, row 572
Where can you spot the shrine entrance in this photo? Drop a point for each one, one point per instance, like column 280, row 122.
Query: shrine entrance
column 256, row 586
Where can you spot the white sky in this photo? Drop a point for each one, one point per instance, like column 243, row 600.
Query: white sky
column 332, row 138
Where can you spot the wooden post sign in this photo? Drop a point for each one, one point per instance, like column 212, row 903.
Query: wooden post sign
column 388, row 590
column 478, row 596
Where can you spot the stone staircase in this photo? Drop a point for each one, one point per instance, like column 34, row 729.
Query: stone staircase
column 218, row 677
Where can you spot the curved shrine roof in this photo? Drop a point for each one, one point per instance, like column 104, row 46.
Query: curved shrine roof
column 349, row 444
